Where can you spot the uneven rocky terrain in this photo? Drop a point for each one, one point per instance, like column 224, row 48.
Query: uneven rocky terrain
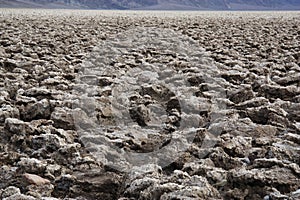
column 149, row 105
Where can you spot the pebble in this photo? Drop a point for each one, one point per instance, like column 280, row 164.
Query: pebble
column 35, row 179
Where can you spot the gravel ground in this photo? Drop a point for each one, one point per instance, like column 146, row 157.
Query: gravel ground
column 149, row 105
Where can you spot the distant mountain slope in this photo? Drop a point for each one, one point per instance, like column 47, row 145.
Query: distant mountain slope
column 37, row 4
column 159, row 4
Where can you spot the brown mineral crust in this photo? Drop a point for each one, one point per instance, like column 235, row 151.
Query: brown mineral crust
column 247, row 149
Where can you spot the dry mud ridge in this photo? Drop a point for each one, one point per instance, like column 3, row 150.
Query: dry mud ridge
column 149, row 105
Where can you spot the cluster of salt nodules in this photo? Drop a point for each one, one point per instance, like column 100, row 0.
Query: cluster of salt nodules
column 95, row 105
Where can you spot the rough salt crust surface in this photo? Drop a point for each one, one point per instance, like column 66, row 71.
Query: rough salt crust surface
column 92, row 101
column 139, row 86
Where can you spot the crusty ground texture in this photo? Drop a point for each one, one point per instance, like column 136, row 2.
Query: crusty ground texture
column 244, row 74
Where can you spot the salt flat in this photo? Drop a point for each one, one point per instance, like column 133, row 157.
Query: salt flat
column 67, row 12
column 149, row 104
